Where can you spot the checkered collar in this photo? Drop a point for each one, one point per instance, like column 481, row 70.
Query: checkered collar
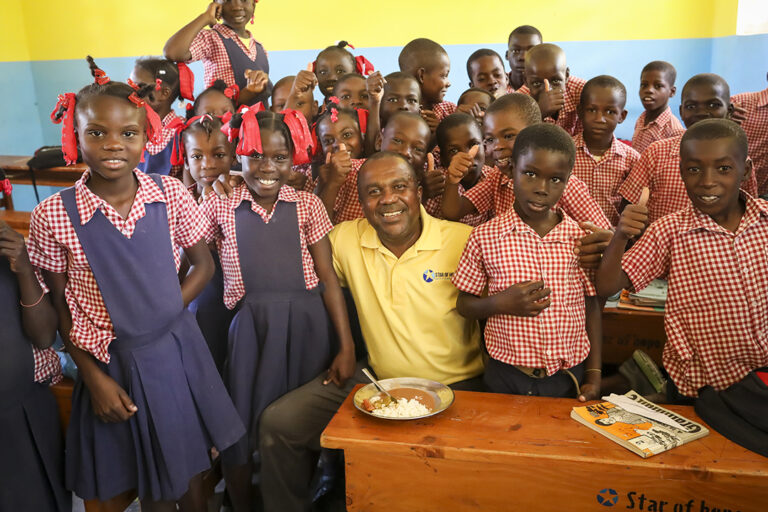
column 228, row 32
column 88, row 202
column 287, row 194
column 566, row 230
column 617, row 148
column 756, row 210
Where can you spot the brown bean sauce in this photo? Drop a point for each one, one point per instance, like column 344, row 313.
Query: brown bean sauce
column 412, row 393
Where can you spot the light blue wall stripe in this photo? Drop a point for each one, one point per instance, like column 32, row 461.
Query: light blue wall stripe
column 29, row 89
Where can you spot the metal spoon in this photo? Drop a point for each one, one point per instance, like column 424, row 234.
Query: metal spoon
column 378, row 386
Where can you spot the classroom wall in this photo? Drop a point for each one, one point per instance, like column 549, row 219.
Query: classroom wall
column 599, row 36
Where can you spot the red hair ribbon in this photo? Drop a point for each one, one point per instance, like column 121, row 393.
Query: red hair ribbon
column 100, row 77
column 133, row 84
column 65, row 112
column 362, row 119
column 186, row 82
column 189, row 107
column 154, row 125
column 5, row 184
column 177, row 154
column 158, row 84
column 232, row 92
column 226, row 117
column 303, row 144
column 334, row 99
column 334, row 115
column 250, row 134
column 363, row 65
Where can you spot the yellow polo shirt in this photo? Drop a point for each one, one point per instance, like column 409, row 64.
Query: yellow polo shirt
column 407, row 306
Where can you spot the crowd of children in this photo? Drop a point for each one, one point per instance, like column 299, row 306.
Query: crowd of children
column 195, row 293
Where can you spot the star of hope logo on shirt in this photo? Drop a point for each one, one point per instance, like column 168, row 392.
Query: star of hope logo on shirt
column 430, row 276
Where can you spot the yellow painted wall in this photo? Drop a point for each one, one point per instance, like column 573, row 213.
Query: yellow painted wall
column 68, row 29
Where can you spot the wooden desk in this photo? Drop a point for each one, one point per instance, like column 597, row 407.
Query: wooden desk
column 625, row 331
column 18, row 220
column 500, row 452
column 18, row 172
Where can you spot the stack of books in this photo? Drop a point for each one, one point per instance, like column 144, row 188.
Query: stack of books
column 651, row 298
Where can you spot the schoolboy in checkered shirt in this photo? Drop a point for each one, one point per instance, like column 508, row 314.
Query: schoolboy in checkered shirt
column 714, row 254
column 543, row 331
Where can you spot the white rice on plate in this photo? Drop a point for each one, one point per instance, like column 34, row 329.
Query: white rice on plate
column 403, row 408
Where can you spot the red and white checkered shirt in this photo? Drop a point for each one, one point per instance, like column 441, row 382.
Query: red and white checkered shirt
column 716, row 316
column 496, row 194
column 659, row 170
column 505, row 251
column 166, row 134
column 603, row 177
column 663, row 127
column 347, row 205
column 208, row 47
column 756, row 128
column 444, row 109
column 54, row 246
column 47, row 366
column 434, row 205
column 313, row 220
column 568, row 118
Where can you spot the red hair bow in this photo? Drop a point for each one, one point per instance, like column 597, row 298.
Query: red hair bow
column 5, row 184
column 362, row 119
column 154, row 125
column 303, row 143
column 232, row 92
column 334, row 115
column 100, row 77
column 177, row 154
column 250, row 134
column 158, row 84
column 133, row 84
column 186, row 82
column 65, row 112
column 363, row 65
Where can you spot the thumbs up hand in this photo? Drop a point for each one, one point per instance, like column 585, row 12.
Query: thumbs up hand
column 460, row 164
column 434, row 180
column 550, row 100
column 634, row 218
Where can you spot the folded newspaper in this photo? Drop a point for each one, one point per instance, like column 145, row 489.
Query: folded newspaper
column 638, row 424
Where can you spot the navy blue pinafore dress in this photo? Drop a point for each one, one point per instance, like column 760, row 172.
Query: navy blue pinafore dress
column 279, row 338
column 159, row 163
column 159, row 358
column 32, row 471
column 241, row 62
column 212, row 315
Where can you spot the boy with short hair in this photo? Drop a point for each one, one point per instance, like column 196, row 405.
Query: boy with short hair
column 486, row 71
column 549, row 82
column 657, row 86
column 520, row 40
column 428, row 62
column 755, row 126
column 713, row 254
column 503, row 121
column 704, row 96
column 543, row 333
column 602, row 161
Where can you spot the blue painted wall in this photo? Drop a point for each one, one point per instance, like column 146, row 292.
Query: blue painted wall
column 29, row 89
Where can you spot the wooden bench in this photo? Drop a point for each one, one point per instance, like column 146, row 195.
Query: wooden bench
column 18, row 220
column 500, row 452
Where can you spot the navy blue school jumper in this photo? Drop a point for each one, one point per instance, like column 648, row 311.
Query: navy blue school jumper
column 280, row 337
column 241, row 62
column 158, row 357
column 212, row 315
column 32, row 469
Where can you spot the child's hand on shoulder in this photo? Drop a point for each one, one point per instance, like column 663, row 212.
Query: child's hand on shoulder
column 528, row 298
column 460, row 164
column 12, row 246
column 375, row 86
column 431, row 118
column 213, row 13
column 739, row 114
column 434, row 181
column 551, row 100
column 634, row 218
column 257, row 80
